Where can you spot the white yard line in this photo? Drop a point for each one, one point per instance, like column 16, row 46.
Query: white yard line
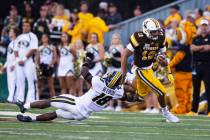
column 46, row 134
column 90, row 132
column 12, row 113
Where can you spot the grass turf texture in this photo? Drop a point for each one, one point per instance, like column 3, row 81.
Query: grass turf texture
column 104, row 126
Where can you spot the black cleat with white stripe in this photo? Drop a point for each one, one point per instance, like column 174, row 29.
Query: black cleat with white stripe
column 24, row 118
column 21, row 106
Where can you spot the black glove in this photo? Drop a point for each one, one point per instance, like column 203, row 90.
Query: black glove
column 88, row 62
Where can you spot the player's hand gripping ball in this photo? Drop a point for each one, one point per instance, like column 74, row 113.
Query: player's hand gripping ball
column 162, row 59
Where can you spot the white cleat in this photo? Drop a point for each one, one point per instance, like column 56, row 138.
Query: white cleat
column 118, row 108
column 147, row 110
column 154, row 111
column 169, row 116
column 109, row 108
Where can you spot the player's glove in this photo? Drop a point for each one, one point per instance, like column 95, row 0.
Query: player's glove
column 171, row 78
column 88, row 62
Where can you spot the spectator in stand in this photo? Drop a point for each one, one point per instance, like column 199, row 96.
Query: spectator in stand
column 75, row 27
column 171, row 33
column 51, row 6
column 97, row 25
column 46, row 60
column 65, row 73
column 137, row 11
column 174, row 15
column 206, row 13
column 114, row 17
column 59, row 24
column 198, row 16
column 41, row 24
column 104, row 5
column 11, row 21
column 28, row 13
column 96, row 52
column 84, row 17
column 13, row 17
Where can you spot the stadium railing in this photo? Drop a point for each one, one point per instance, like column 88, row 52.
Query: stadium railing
column 127, row 27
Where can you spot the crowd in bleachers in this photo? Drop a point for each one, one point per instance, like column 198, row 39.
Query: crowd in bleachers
column 72, row 36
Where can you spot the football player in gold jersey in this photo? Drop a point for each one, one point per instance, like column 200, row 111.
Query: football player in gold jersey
column 147, row 46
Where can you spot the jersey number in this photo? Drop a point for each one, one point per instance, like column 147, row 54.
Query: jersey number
column 102, row 99
column 148, row 56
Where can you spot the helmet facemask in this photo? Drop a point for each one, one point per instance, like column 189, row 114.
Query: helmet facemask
column 153, row 35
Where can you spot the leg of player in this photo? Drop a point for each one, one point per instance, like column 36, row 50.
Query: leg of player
column 41, row 104
column 165, row 112
column 44, row 117
column 146, row 80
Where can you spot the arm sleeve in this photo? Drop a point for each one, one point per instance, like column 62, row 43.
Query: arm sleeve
column 134, row 41
column 179, row 56
column 34, row 42
column 94, row 82
column 163, row 50
column 16, row 44
column 130, row 47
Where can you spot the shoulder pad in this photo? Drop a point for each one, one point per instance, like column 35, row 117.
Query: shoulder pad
column 136, row 38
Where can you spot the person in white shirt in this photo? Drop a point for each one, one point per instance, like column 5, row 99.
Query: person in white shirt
column 25, row 48
column 10, row 66
column 70, row 107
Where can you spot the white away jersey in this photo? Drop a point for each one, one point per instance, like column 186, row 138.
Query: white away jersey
column 97, row 97
column 25, row 43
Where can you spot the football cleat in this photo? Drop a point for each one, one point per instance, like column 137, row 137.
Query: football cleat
column 21, row 106
column 24, row 118
column 169, row 116
column 191, row 113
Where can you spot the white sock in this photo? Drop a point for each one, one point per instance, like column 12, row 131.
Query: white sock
column 165, row 109
column 27, row 106
column 33, row 118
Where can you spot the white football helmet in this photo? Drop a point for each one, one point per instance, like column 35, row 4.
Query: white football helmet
column 151, row 28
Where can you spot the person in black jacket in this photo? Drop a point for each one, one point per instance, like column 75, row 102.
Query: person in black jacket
column 201, row 65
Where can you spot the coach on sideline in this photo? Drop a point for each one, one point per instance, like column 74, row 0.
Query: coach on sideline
column 201, row 65
column 25, row 49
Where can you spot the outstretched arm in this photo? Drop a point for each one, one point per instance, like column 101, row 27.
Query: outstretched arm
column 126, row 53
column 85, row 71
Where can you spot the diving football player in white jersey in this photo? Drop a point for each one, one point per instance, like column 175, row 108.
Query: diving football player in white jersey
column 70, row 107
column 27, row 45
column 10, row 66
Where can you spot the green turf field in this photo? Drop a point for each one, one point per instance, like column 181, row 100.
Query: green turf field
column 104, row 126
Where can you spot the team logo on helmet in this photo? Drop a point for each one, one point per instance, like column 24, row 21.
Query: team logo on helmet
column 113, row 79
